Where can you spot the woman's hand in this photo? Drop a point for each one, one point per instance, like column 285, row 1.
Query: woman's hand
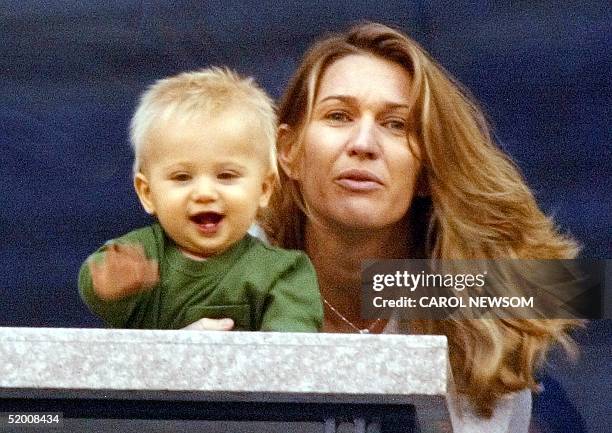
column 211, row 325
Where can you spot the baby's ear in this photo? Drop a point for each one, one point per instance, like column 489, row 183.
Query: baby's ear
column 141, row 185
column 287, row 151
column 267, row 188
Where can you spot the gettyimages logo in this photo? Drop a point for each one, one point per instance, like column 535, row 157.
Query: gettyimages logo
column 471, row 289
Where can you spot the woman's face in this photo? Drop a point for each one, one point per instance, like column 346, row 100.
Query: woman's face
column 357, row 169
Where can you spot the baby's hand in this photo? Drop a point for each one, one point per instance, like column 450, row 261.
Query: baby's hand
column 124, row 271
column 211, row 325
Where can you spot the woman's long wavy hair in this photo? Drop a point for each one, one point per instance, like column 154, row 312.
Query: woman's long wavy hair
column 479, row 206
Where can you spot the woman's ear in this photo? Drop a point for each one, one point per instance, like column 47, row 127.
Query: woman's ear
column 286, row 151
column 421, row 188
column 422, row 185
column 141, row 185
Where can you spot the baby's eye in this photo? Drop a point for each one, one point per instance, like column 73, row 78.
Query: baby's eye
column 180, row 177
column 338, row 116
column 228, row 175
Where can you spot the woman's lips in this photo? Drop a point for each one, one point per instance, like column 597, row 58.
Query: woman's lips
column 358, row 180
column 208, row 223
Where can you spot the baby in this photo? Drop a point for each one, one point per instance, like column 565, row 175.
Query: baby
column 205, row 163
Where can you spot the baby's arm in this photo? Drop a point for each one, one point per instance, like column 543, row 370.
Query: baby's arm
column 294, row 303
column 123, row 271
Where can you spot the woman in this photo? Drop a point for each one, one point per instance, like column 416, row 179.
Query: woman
column 383, row 155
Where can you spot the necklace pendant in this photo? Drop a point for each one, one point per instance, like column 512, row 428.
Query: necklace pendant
column 364, row 331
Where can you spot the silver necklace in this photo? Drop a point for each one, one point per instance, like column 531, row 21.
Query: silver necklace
column 348, row 322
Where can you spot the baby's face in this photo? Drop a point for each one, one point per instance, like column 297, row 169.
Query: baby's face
column 205, row 178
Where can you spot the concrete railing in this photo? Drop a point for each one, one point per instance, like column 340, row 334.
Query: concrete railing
column 224, row 376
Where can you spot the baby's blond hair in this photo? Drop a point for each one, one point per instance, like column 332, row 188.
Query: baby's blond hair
column 207, row 91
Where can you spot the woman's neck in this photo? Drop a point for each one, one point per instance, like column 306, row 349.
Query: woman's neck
column 337, row 256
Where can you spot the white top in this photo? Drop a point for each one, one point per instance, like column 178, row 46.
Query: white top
column 511, row 415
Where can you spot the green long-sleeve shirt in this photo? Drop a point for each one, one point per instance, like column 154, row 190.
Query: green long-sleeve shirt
column 262, row 288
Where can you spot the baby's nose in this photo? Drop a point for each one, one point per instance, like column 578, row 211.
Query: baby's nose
column 204, row 190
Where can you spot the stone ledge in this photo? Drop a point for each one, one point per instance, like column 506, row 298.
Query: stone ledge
column 229, row 362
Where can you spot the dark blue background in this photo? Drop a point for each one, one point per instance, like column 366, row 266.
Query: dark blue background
column 71, row 72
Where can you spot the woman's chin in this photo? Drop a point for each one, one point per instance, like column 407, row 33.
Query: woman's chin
column 363, row 220
column 366, row 212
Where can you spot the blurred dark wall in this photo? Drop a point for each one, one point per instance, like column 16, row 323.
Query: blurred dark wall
column 71, row 72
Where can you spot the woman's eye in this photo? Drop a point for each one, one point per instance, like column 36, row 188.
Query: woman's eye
column 338, row 116
column 395, row 124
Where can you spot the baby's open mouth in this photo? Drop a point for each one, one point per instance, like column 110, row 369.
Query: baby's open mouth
column 208, row 222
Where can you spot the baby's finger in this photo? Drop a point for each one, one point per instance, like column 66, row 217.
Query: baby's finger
column 151, row 273
column 98, row 275
column 94, row 268
column 134, row 252
column 112, row 258
column 206, row 324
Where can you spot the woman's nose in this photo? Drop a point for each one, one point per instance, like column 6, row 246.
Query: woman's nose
column 204, row 190
column 364, row 142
